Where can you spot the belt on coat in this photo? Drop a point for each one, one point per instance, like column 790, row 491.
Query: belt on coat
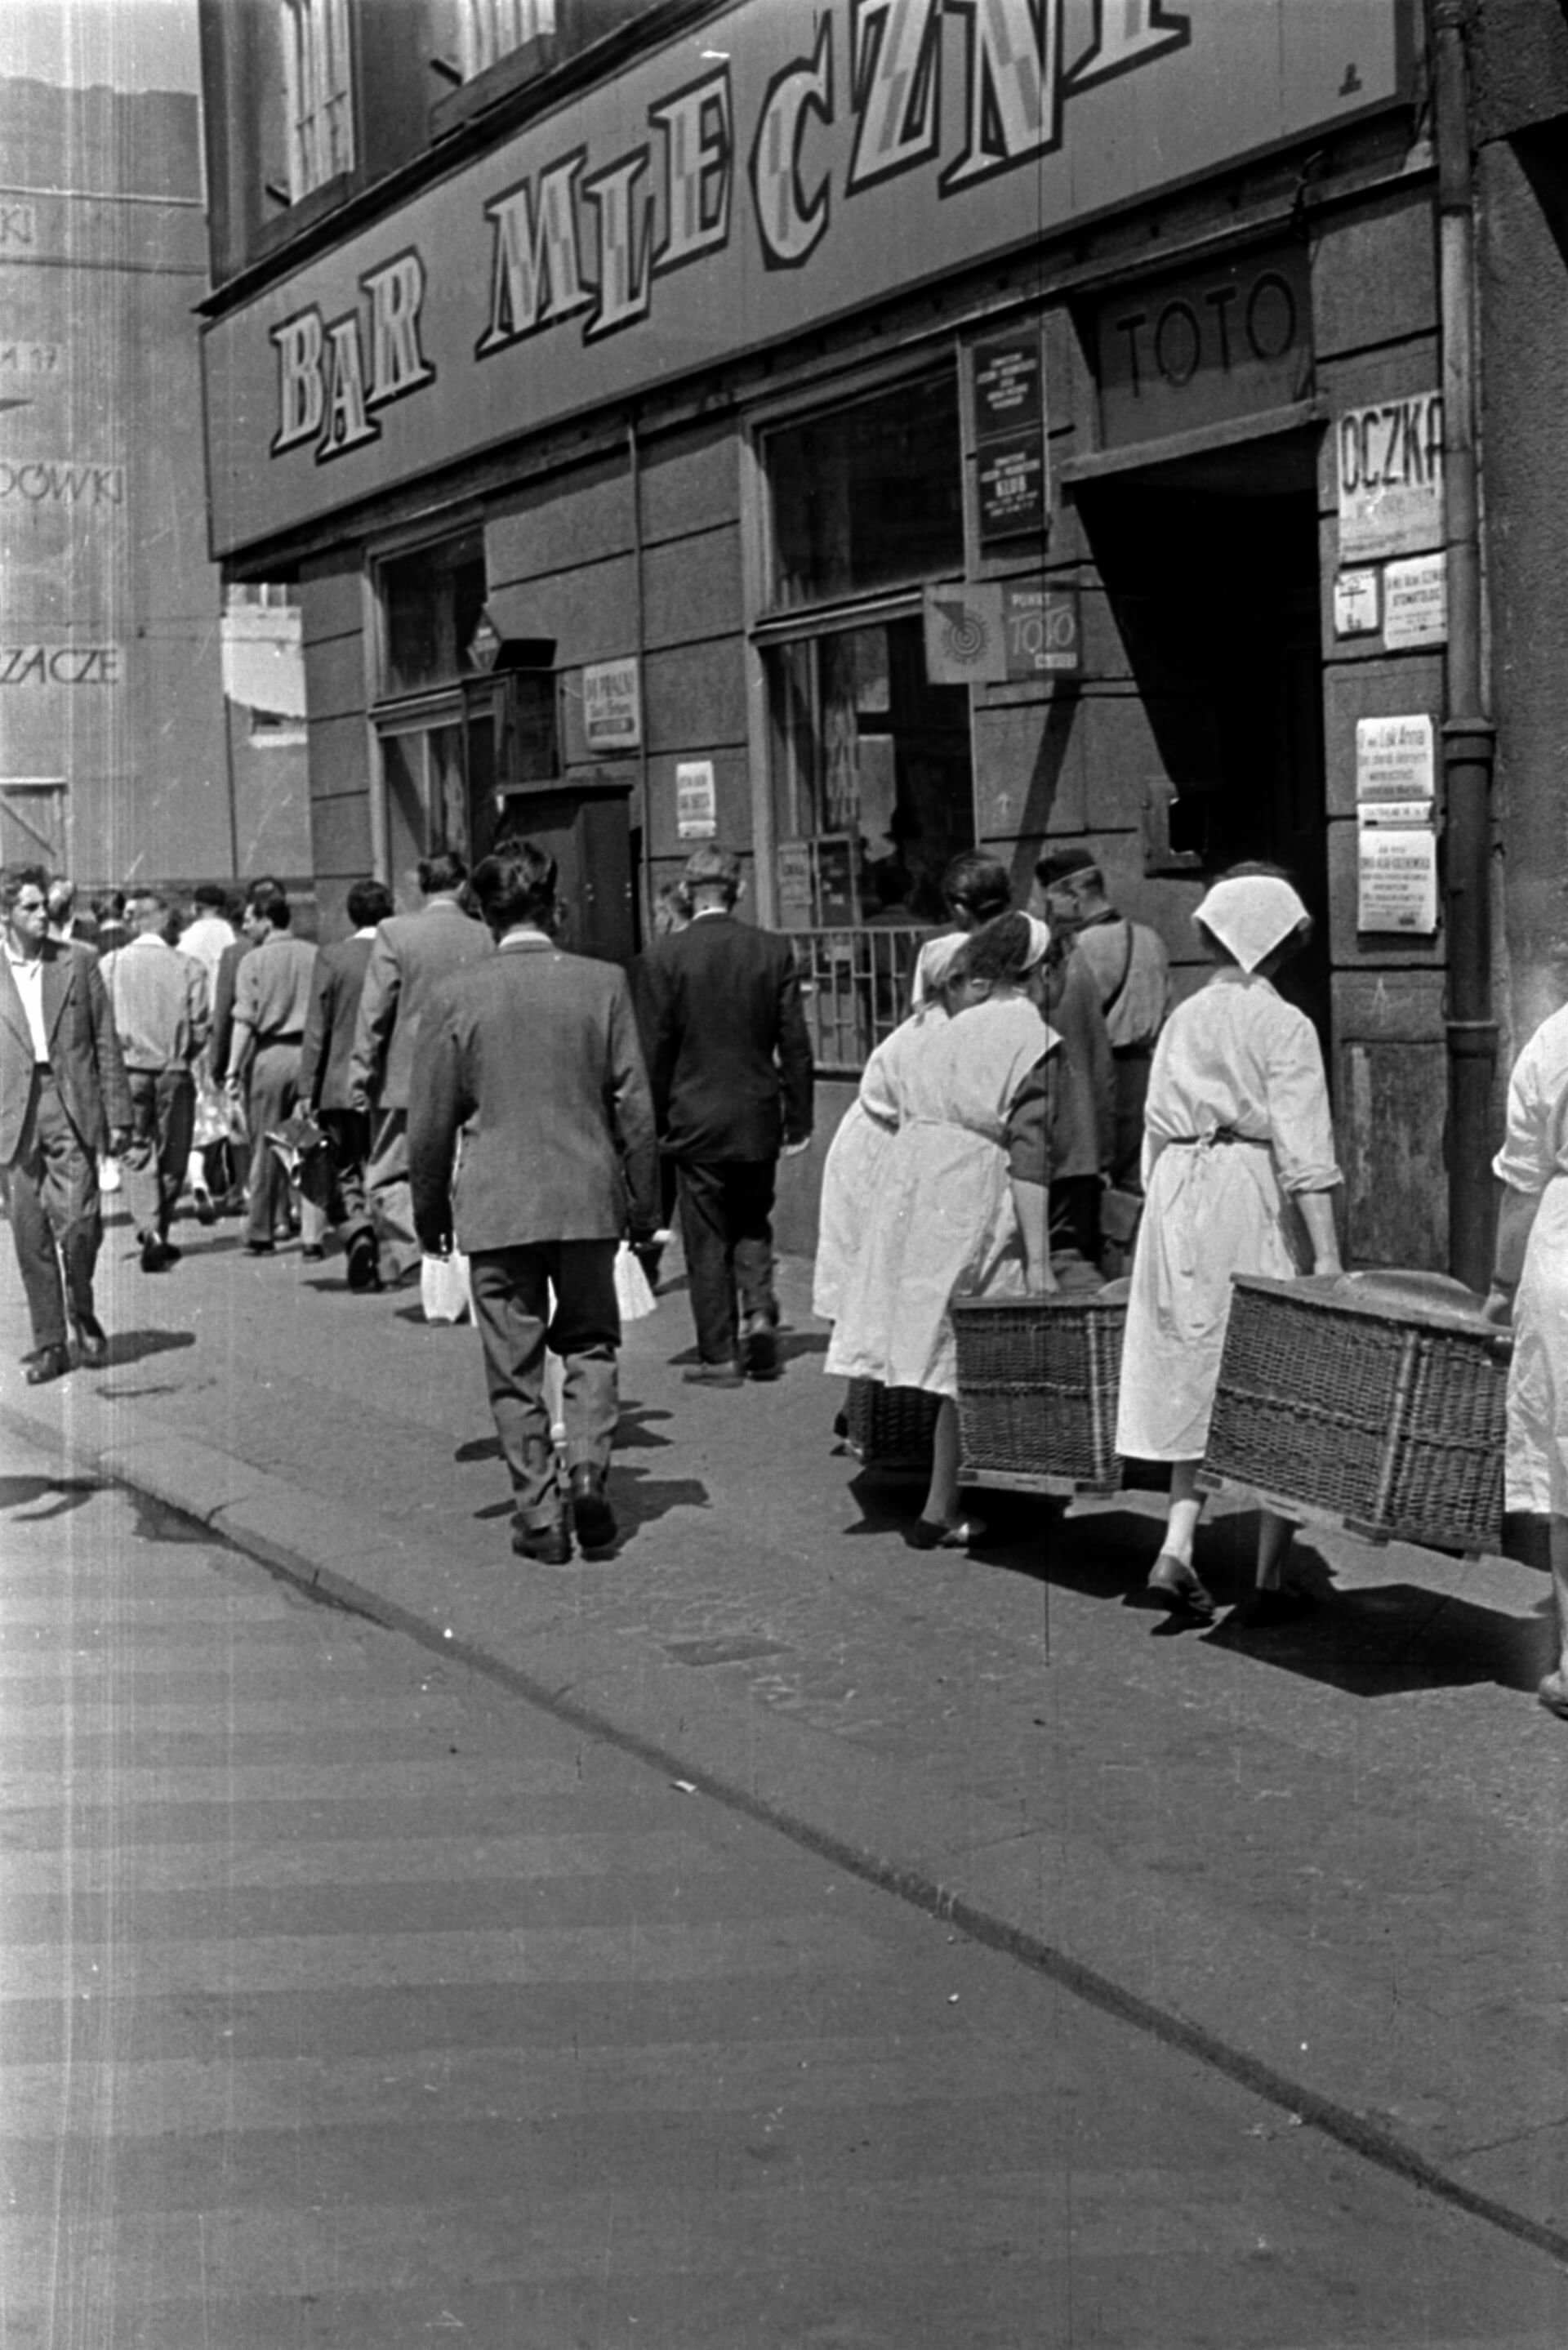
column 1223, row 1134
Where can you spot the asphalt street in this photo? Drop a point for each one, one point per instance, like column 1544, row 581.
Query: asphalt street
column 348, row 2001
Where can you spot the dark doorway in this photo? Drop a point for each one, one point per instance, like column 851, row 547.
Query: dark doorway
column 1212, row 571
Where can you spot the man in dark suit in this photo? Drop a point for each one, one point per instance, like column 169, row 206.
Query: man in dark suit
column 533, row 1056
column 64, row 1102
column 324, row 1087
column 730, row 1060
column 410, row 953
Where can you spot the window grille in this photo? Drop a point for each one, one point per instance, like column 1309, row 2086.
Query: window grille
column 491, row 29
column 856, row 986
column 319, row 93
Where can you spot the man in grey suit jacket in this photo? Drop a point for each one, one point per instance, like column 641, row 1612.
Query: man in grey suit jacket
column 412, row 953
column 533, row 1056
column 64, row 1103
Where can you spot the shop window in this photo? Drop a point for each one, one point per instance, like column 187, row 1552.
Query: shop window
column 432, row 601
column 427, row 796
column 319, row 93
column 869, row 497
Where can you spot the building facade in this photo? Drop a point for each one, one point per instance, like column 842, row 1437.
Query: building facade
column 861, row 433
column 121, row 758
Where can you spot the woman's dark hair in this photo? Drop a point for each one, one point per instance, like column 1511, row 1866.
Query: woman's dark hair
column 517, row 883
column 445, row 870
column 999, row 951
column 979, row 884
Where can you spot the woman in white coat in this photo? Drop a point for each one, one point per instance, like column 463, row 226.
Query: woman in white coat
column 1529, row 1288
column 1238, row 1141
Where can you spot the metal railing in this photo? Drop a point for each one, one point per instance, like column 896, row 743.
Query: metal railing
column 856, row 986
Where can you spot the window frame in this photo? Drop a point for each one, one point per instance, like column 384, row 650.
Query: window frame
column 312, row 29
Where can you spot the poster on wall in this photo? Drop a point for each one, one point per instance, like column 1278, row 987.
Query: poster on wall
column 1390, row 461
column 696, row 800
column 1395, row 758
column 1397, row 878
column 1416, row 602
column 1012, row 496
column 612, row 706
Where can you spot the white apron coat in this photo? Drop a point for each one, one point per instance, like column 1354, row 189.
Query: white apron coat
column 853, row 1167
column 941, row 1219
column 1534, row 1159
column 1237, row 1118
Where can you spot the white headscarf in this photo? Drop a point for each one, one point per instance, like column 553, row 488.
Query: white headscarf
column 937, row 958
column 1250, row 915
column 1039, row 940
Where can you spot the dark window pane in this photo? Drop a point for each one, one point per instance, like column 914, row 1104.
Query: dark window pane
column 433, row 598
column 869, row 496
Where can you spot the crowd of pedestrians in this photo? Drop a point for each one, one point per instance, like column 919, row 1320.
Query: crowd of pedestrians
column 455, row 1082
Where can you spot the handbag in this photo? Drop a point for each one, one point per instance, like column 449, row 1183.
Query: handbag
column 444, row 1290
column 633, row 1294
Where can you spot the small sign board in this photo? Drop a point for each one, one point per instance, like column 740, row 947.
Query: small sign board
column 696, row 800
column 1395, row 758
column 1040, row 629
column 1355, row 601
column 1396, row 881
column 1416, row 602
column 612, row 706
column 1391, row 468
column 1012, row 488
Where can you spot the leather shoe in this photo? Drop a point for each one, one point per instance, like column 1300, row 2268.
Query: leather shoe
column 156, row 1254
column 551, row 1545
column 364, row 1269
column 260, row 1248
column 206, row 1210
column 1180, row 1587
column 926, row 1533
column 713, row 1375
column 48, row 1363
column 758, row 1348
column 591, row 1514
column 312, row 1252
column 92, row 1339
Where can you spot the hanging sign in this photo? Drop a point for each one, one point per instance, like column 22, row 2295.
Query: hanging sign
column 696, row 800
column 1416, row 602
column 1390, row 465
column 1040, row 628
column 1012, row 488
column 1355, row 604
column 612, row 706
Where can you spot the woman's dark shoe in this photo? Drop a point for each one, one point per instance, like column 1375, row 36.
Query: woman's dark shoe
column 48, row 1363
column 926, row 1534
column 364, row 1265
column 1179, row 1586
column 551, row 1544
column 92, row 1339
column 592, row 1515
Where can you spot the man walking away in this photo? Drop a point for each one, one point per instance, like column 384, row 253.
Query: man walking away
column 158, row 998
column 63, row 1104
column 532, row 1055
column 730, row 1061
column 272, row 998
column 1132, row 974
column 410, row 953
column 329, row 1029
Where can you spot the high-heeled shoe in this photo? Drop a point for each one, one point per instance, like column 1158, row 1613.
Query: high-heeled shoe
column 1180, row 1586
column 926, row 1533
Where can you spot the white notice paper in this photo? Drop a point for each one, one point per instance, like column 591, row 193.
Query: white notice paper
column 1416, row 602
column 1397, row 881
column 1394, row 758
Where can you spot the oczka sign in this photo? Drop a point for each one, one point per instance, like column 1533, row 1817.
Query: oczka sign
column 1390, row 462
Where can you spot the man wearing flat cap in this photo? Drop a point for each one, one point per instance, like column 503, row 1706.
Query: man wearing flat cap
column 1131, row 971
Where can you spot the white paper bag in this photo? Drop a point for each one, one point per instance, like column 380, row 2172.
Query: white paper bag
column 633, row 1293
column 444, row 1288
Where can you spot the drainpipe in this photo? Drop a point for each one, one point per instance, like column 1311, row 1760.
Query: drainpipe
column 634, row 457
column 1469, row 735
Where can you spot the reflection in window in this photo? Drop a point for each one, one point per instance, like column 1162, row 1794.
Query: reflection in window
column 427, row 801
column 319, row 93
column 489, row 30
column 433, row 600
column 873, row 783
column 869, row 496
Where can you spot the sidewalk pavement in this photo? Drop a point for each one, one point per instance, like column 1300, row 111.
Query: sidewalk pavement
column 1326, row 1857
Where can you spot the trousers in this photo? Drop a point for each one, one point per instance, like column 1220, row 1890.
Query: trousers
column 726, row 1229
column 512, row 1307
column 388, row 1197
column 56, row 1218
column 162, row 1116
column 274, row 1091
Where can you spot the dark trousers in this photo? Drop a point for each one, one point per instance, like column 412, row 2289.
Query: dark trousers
column 1132, row 1064
column 162, row 1114
column 52, row 1199
column 274, row 1091
column 349, row 1133
column 511, row 1307
column 1074, row 1212
column 726, row 1229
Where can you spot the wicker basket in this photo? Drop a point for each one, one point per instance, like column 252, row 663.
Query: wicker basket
column 1380, row 1403
column 1037, row 1390
column 890, row 1427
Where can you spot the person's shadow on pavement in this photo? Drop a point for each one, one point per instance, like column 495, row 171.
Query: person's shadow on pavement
column 62, row 1493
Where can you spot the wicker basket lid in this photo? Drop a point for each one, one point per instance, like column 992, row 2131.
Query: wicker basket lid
column 1392, row 1294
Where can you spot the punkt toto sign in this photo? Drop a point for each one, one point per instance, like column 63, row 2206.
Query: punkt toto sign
column 786, row 169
